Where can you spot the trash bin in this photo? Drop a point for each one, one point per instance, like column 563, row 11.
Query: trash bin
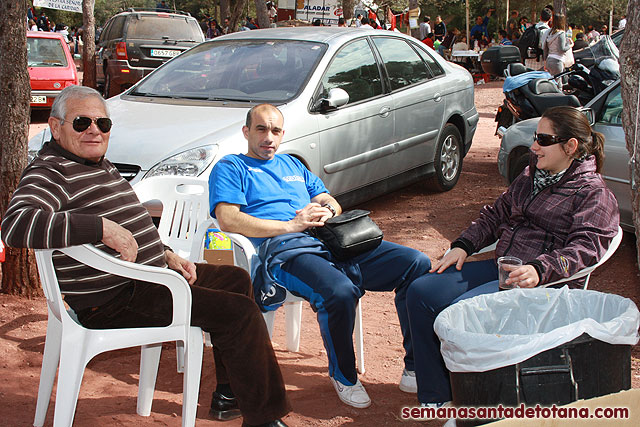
column 537, row 346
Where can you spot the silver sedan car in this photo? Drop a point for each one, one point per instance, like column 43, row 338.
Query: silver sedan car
column 606, row 114
column 368, row 111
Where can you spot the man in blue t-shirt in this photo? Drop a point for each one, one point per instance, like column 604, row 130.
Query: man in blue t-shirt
column 480, row 29
column 263, row 195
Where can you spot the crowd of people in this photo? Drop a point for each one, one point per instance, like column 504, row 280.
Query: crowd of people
column 72, row 35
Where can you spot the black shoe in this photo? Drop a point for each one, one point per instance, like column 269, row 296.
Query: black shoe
column 276, row 423
column 224, row 408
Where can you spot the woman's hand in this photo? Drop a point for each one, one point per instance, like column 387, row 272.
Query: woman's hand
column 455, row 256
column 524, row 276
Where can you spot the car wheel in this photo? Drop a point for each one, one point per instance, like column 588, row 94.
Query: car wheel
column 518, row 163
column 448, row 159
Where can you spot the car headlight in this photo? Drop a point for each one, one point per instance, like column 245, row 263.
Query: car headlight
column 188, row 163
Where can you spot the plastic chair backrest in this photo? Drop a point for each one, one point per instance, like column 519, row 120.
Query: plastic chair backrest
column 185, row 206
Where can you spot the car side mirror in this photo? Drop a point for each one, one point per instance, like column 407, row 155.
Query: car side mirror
column 336, row 98
column 591, row 116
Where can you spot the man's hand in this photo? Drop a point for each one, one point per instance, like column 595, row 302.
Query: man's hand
column 455, row 256
column 524, row 276
column 182, row 266
column 119, row 239
column 312, row 215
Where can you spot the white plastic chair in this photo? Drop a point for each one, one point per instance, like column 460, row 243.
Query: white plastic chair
column 184, row 222
column 585, row 272
column 72, row 346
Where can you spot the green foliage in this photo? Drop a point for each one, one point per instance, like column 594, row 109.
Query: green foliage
column 582, row 12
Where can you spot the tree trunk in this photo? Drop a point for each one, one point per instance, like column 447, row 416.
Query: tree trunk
column 237, row 9
column 262, row 14
column 560, row 6
column 630, row 73
column 225, row 11
column 89, row 39
column 347, row 10
column 19, row 273
column 415, row 32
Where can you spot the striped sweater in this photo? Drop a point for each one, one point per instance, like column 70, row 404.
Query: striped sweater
column 60, row 201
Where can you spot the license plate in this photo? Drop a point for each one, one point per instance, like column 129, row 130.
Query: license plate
column 38, row 99
column 165, row 53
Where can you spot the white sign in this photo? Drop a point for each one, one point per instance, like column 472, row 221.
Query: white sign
column 68, row 5
column 326, row 11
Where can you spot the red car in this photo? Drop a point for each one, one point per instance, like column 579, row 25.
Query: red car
column 51, row 67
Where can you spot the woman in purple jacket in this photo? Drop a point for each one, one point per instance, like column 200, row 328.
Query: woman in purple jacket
column 558, row 217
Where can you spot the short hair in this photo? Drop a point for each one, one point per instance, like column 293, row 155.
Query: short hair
column 546, row 14
column 258, row 107
column 59, row 107
column 364, row 21
column 580, row 36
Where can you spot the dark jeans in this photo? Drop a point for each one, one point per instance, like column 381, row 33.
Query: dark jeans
column 223, row 305
column 426, row 297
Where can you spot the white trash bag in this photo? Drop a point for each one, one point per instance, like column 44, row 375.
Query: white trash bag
column 504, row 328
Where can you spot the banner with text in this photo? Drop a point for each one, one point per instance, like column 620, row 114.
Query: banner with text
column 67, row 5
column 327, row 11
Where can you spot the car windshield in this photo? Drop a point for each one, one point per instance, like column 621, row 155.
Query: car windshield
column 617, row 38
column 243, row 71
column 45, row 53
column 150, row 27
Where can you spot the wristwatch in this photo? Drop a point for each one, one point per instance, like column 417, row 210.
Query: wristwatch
column 331, row 208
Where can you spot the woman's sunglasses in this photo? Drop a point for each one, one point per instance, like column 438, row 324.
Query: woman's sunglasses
column 82, row 123
column 545, row 140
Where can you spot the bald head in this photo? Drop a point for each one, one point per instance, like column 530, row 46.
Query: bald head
column 259, row 109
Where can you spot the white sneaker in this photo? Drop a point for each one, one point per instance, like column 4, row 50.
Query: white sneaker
column 436, row 405
column 408, row 382
column 353, row 395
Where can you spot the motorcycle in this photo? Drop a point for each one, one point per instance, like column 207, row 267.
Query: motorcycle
column 530, row 93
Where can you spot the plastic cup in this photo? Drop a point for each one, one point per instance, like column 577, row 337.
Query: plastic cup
column 506, row 264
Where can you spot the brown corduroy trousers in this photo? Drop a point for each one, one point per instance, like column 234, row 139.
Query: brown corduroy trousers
column 223, row 305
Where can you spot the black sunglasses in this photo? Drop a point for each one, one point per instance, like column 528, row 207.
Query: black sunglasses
column 82, row 123
column 545, row 140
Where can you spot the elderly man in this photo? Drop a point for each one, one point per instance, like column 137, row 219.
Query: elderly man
column 273, row 199
column 70, row 194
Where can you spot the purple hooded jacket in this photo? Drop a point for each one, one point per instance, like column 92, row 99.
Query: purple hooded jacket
column 564, row 228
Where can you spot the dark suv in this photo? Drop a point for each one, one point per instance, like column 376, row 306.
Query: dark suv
column 135, row 42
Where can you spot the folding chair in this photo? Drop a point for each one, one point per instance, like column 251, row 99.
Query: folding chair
column 71, row 346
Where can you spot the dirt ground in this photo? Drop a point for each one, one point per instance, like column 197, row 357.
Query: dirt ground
column 413, row 216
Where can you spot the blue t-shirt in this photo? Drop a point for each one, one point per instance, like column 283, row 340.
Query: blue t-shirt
column 266, row 189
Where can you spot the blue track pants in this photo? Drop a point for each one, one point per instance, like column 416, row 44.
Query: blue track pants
column 333, row 290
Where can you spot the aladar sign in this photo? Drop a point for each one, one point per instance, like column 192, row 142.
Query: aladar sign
column 327, row 11
column 68, row 5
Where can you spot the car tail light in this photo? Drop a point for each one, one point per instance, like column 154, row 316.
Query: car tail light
column 121, row 50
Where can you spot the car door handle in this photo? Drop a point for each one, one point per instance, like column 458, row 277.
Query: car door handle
column 437, row 97
column 384, row 112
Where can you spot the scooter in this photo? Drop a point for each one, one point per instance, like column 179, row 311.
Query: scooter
column 529, row 93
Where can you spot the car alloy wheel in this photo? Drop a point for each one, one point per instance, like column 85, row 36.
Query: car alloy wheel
column 448, row 159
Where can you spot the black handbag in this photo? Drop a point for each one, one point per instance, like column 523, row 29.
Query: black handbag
column 350, row 234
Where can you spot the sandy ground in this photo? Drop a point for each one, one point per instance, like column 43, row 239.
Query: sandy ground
column 413, row 216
